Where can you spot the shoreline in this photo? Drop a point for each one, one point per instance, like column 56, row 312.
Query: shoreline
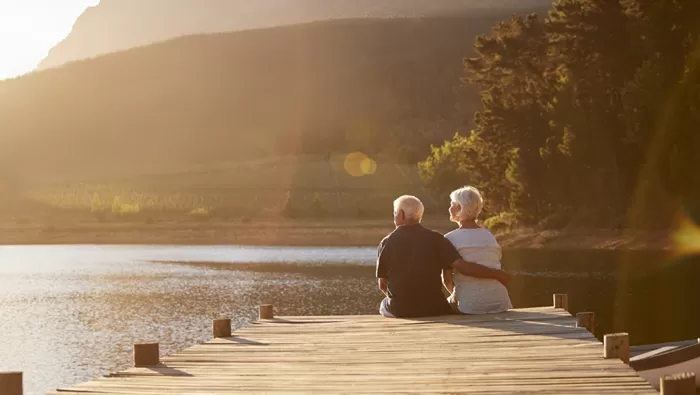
column 355, row 233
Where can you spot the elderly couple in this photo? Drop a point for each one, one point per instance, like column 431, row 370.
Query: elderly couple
column 414, row 263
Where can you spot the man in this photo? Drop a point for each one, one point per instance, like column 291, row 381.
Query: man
column 410, row 263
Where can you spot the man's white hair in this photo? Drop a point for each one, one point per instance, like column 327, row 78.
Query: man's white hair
column 412, row 207
column 470, row 202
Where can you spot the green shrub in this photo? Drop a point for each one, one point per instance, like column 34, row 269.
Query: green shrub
column 200, row 211
column 124, row 208
column 503, row 222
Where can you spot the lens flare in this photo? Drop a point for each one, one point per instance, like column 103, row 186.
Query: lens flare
column 686, row 238
column 368, row 166
column 358, row 164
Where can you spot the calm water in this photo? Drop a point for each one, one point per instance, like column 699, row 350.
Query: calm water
column 71, row 313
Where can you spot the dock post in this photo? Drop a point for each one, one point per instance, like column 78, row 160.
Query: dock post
column 586, row 320
column 561, row 301
column 11, row 383
column 221, row 328
column 146, row 354
column 617, row 345
column 678, row 384
column 266, row 312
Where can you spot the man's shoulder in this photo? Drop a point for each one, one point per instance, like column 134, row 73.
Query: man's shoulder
column 388, row 238
column 402, row 234
column 391, row 235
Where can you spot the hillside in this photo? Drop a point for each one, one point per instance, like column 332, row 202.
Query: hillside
column 295, row 187
column 376, row 86
column 116, row 25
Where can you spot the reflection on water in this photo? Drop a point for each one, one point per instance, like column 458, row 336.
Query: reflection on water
column 646, row 293
column 70, row 314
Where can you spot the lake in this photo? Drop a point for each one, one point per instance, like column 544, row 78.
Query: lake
column 69, row 314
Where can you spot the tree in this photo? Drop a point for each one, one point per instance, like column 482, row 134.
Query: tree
column 465, row 160
column 588, row 110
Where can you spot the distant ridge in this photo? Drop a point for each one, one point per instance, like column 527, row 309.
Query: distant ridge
column 116, row 25
column 386, row 87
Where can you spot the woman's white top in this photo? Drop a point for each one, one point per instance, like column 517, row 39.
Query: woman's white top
column 476, row 295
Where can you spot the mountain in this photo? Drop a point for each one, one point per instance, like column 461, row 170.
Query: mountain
column 380, row 86
column 116, row 25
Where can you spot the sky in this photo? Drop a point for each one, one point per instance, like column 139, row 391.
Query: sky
column 30, row 28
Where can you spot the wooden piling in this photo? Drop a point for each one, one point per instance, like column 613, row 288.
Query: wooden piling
column 11, row 383
column 617, row 345
column 266, row 312
column 561, row 301
column 586, row 320
column 147, row 354
column 678, row 384
column 221, row 328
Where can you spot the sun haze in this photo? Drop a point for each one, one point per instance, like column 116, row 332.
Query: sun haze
column 30, row 28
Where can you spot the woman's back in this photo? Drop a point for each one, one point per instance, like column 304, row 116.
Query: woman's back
column 475, row 295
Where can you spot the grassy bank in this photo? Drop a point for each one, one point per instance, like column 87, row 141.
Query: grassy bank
column 340, row 232
column 342, row 200
column 266, row 232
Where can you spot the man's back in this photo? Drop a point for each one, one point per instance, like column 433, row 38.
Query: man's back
column 412, row 259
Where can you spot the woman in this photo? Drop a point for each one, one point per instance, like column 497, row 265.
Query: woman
column 475, row 244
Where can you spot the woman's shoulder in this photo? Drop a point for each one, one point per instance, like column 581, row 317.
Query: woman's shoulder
column 480, row 236
column 451, row 233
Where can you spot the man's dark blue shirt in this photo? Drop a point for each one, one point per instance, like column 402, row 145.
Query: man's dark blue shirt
column 412, row 258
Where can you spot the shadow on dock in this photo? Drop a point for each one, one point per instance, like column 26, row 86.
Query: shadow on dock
column 157, row 370
column 515, row 323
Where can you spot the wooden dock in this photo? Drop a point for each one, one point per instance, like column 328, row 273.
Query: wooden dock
column 536, row 350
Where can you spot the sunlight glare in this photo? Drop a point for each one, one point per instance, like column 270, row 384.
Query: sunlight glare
column 30, row 28
column 686, row 238
column 358, row 164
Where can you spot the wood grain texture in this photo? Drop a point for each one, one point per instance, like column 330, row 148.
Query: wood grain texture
column 11, row 383
column 536, row 350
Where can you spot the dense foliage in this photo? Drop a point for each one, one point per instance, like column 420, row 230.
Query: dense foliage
column 589, row 116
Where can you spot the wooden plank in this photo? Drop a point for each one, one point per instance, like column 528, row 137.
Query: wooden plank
column 536, row 350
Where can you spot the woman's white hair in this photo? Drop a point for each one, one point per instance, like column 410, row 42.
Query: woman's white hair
column 412, row 207
column 470, row 202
